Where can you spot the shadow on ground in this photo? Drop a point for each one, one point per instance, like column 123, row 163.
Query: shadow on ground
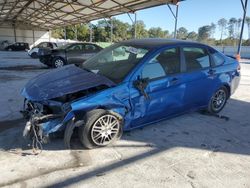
column 192, row 130
column 24, row 68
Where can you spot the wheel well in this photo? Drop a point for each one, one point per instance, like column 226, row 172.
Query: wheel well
column 58, row 57
column 228, row 89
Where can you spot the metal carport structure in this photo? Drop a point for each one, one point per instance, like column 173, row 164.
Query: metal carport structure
column 48, row 14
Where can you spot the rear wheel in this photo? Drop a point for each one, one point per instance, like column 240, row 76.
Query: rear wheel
column 58, row 62
column 218, row 100
column 101, row 129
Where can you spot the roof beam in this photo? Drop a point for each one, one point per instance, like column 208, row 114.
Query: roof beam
column 69, row 12
column 10, row 11
column 23, row 8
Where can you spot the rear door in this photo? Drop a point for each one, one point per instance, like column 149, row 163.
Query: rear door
column 74, row 53
column 88, row 51
column 198, row 76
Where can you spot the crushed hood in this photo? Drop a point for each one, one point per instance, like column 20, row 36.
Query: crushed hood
column 62, row 81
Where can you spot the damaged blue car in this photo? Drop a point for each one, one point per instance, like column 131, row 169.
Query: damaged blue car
column 125, row 86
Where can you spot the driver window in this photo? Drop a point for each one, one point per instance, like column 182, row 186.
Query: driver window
column 165, row 63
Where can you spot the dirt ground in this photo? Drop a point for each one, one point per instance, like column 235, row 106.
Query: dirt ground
column 192, row 150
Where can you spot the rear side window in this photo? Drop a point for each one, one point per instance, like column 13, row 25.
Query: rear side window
column 75, row 47
column 218, row 59
column 89, row 48
column 196, row 58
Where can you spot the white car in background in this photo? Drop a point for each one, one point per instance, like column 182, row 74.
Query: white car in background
column 33, row 52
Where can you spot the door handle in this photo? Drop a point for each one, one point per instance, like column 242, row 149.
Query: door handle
column 211, row 71
column 174, row 81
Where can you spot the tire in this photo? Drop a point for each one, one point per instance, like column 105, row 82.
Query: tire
column 34, row 55
column 58, row 62
column 94, row 134
column 218, row 100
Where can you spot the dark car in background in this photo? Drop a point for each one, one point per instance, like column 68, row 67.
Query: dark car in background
column 72, row 53
column 18, row 46
column 33, row 52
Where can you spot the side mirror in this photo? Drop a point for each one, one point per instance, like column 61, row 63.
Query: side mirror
column 141, row 85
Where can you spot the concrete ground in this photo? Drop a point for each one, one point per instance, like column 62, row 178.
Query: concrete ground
column 192, row 150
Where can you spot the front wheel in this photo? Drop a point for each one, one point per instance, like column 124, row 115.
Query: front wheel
column 101, row 129
column 218, row 100
column 58, row 62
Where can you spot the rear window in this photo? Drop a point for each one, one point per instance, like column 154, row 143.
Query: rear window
column 196, row 58
column 218, row 59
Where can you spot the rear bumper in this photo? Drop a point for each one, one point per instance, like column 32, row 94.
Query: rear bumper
column 235, row 82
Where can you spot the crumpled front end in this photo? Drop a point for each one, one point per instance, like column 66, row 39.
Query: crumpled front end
column 43, row 119
column 48, row 98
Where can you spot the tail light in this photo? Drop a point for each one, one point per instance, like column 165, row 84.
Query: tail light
column 238, row 68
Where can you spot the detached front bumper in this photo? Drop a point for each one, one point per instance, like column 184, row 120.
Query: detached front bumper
column 42, row 126
column 42, row 120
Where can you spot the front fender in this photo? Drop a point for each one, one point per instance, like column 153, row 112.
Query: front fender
column 68, row 117
column 115, row 100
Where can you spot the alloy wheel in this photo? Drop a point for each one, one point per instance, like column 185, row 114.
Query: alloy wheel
column 105, row 130
column 219, row 100
column 59, row 63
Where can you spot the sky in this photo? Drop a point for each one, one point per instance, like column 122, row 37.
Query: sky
column 192, row 14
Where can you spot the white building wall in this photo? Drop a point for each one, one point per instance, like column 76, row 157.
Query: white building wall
column 23, row 35
column 232, row 50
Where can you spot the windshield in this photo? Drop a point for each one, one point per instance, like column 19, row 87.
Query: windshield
column 116, row 61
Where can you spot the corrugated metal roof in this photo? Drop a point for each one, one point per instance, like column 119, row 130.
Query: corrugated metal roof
column 50, row 14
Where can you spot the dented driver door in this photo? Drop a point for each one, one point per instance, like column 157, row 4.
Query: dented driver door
column 163, row 94
column 164, row 97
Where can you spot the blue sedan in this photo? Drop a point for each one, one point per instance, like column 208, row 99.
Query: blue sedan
column 128, row 85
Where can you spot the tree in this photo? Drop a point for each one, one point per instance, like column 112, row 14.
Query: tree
column 238, row 25
column 157, row 32
column 192, row 36
column 204, row 33
column 82, row 32
column 141, row 31
column 121, row 30
column 231, row 27
column 222, row 23
column 182, row 33
column 248, row 26
column 212, row 29
column 100, row 32
column 58, row 33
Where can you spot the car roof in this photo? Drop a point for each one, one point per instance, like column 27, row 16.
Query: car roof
column 82, row 43
column 151, row 43
column 20, row 43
